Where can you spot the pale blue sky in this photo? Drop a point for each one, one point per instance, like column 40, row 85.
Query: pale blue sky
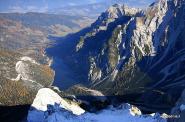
column 46, row 5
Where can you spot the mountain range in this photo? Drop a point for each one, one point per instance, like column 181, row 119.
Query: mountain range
column 128, row 52
column 46, row 6
column 128, row 57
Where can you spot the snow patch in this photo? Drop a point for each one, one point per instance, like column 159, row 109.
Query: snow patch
column 46, row 96
column 182, row 107
column 50, row 107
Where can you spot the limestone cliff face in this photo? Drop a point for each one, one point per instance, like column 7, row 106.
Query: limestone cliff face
column 130, row 51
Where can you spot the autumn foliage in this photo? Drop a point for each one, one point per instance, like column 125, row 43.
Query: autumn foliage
column 15, row 93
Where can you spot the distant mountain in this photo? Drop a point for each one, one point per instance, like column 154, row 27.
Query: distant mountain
column 127, row 51
column 93, row 10
column 89, row 10
column 46, row 6
column 50, row 23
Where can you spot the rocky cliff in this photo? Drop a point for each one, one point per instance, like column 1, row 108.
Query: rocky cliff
column 48, row 106
column 133, row 52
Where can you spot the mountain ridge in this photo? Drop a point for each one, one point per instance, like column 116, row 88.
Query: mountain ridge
column 132, row 54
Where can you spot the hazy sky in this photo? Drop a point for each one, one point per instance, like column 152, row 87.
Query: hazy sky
column 46, row 5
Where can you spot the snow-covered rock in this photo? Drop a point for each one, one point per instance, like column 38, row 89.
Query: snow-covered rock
column 48, row 106
column 178, row 111
column 93, row 95
column 139, row 52
column 118, row 10
column 182, row 107
column 47, row 97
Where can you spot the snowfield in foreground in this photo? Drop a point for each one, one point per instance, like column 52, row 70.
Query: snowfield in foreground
column 48, row 106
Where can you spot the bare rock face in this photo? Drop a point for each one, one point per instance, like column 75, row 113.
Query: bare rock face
column 117, row 11
column 114, row 12
column 129, row 51
column 49, row 106
column 146, row 26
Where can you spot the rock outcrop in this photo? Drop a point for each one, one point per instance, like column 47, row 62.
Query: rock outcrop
column 132, row 52
column 48, row 106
